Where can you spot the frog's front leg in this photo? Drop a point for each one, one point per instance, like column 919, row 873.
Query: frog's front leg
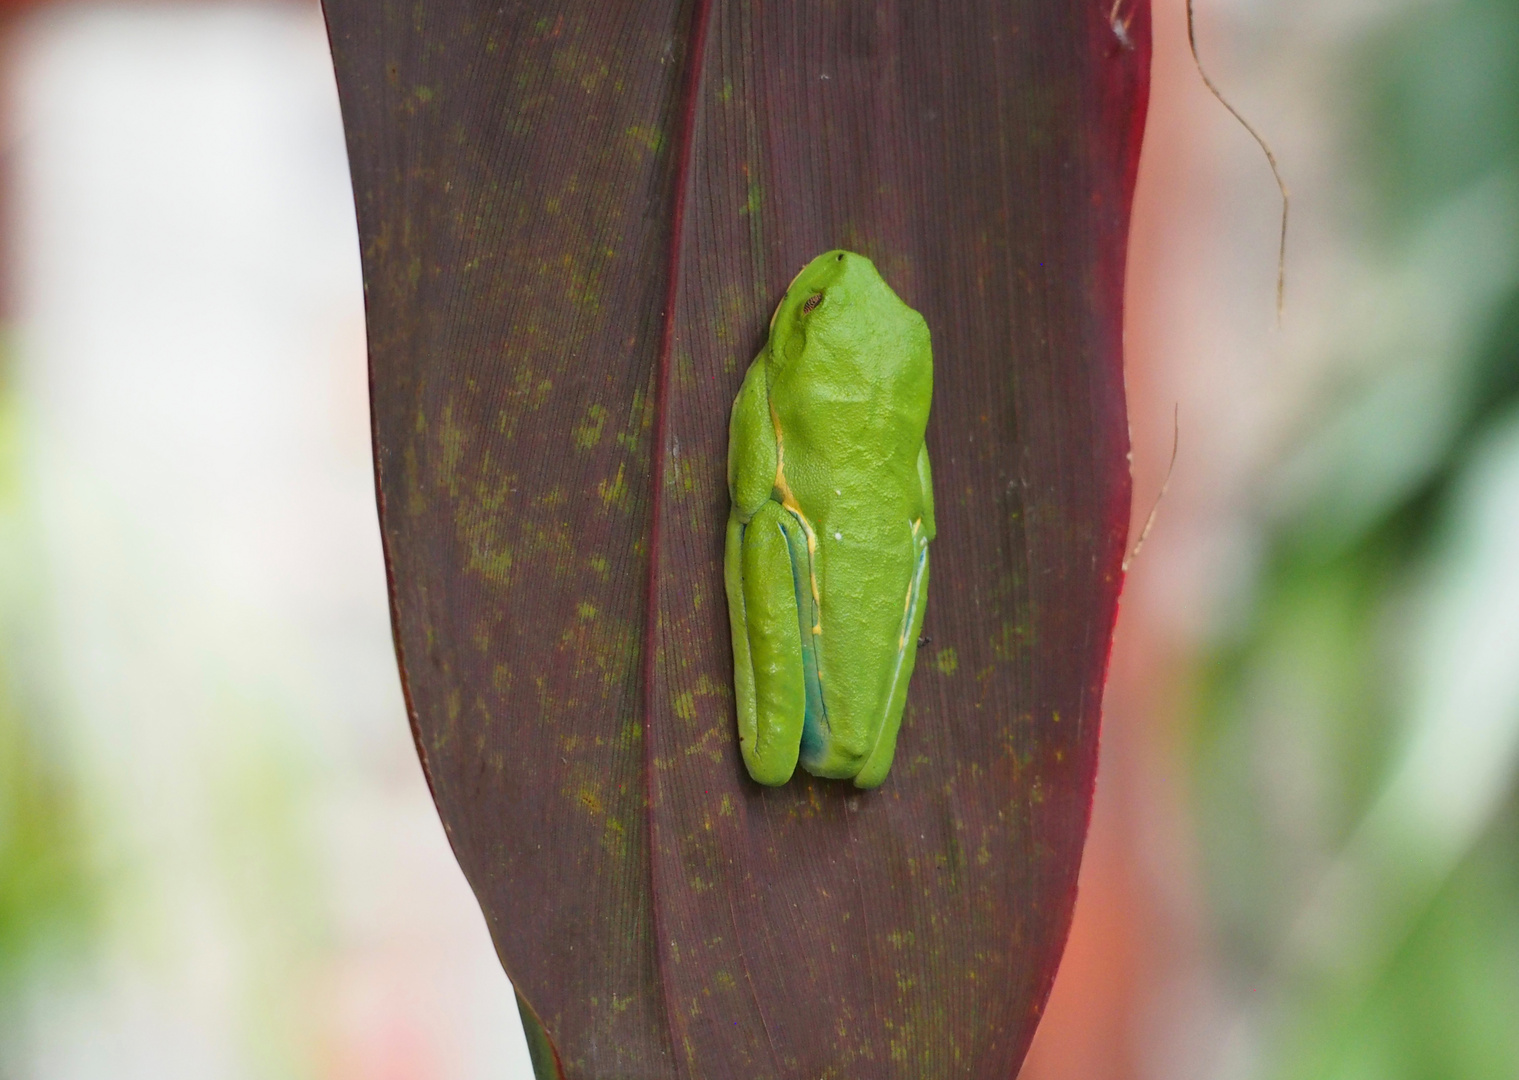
column 878, row 761
column 767, row 644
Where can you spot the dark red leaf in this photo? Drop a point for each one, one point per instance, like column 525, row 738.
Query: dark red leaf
column 576, row 219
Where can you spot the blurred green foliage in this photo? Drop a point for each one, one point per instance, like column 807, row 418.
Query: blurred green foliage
column 44, row 894
column 1374, row 955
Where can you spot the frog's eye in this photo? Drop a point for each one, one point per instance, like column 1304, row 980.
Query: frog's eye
column 812, row 302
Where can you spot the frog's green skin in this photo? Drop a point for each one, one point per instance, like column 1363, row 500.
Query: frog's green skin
column 833, row 509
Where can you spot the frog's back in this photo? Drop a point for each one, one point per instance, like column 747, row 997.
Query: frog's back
column 851, row 386
column 851, row 403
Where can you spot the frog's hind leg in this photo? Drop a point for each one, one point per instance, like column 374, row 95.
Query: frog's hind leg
column 767, row 644
column 878, row 761
column 743, row 663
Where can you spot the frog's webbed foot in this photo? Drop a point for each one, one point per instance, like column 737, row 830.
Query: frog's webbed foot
column 767, row 643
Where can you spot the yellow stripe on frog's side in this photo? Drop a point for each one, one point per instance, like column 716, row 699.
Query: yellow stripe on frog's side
column 788, row 500
column 912, row 587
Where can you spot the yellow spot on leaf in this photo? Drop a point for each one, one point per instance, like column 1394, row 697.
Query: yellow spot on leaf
column 648, row 138
column 588, row 432
column 615, row 492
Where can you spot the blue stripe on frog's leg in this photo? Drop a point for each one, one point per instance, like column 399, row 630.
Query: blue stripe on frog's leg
column 815, row 721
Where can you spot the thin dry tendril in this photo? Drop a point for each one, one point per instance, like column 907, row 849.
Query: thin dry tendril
column 1144, row 534
column 1281, row 250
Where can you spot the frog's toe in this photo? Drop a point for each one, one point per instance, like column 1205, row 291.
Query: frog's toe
column 772, row 769
column 833, row 759
column 873, row 772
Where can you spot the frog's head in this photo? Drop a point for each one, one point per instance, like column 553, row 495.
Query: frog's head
column 842, row 306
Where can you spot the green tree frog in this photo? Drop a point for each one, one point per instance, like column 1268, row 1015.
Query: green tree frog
column 826, row 560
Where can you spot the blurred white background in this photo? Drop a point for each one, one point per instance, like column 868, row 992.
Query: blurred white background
column 198, row 605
